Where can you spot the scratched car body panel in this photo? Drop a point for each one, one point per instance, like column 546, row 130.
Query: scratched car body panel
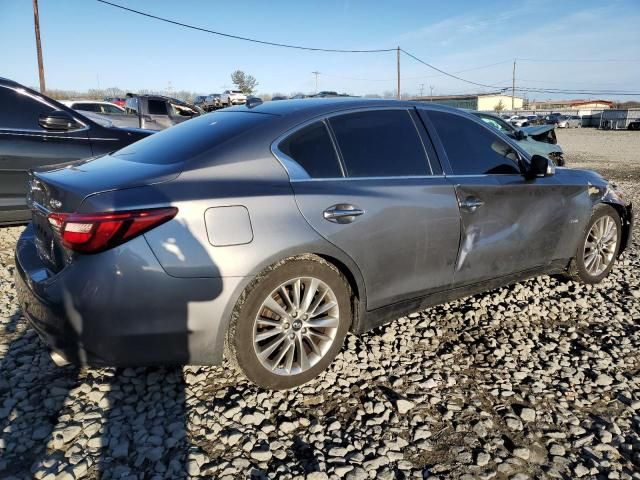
column 413, row 204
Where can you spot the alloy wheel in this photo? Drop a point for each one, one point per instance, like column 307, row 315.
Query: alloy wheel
column 296, row 326
column 600, row 245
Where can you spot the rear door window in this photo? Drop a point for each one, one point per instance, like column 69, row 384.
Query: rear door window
column 131, row 105
column 471, row 148
column 380, row 143
column 157, row 107
column 311, row 147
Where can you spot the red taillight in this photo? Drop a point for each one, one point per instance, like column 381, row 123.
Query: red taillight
column 96, row 232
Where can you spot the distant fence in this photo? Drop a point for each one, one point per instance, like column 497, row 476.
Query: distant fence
column 605, row 119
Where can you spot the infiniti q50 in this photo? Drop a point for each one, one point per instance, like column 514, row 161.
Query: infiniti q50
column 265, row 233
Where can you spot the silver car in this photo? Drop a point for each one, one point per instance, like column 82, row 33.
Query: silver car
column 569, row 121
column 266, row 233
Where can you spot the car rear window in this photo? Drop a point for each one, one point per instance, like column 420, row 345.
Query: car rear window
column 182, row 141
column 380, row 143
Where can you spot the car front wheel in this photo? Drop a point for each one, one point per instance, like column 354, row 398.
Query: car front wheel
column 290, row 323
column 598, row 247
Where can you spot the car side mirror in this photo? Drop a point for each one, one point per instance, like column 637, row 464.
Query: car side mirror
column 520, row 135
column 541, row 167
column 58, row 120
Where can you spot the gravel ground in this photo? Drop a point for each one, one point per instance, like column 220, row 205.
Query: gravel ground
column 537, row 380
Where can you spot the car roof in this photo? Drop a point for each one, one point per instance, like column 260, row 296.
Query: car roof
column 69, row 102
column 320, row 106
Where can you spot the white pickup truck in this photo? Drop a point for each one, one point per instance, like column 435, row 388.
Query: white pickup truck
column 233, row 97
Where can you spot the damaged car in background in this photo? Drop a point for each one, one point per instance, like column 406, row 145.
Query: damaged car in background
column 267, row 232
column 151, row 112
column 535, row 140
column 37, row 131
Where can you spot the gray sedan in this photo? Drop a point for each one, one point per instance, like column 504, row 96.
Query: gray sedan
column 267, row 232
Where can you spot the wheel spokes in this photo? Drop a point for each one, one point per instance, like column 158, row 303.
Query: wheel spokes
column 309, row 292
column 272, row 347
column 296, row 326
column 275, row 307
column 600, row 245
column 324, row 322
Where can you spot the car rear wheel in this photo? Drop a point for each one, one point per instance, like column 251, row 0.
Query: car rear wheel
column 290, row 323
column 598, row 247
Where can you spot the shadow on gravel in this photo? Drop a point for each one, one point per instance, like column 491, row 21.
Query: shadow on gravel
column 32, row 395
column 145, row 425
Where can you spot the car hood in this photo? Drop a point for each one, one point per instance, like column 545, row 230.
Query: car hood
column 537, row 129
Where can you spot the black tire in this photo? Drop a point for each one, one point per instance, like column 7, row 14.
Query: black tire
column 577, row 270
column 240, row 335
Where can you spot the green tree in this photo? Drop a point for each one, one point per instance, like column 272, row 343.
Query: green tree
column 245, row 82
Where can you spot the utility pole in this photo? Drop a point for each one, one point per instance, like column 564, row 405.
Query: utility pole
column 398, row 57
column 431, row 96
column 421, row 88
column 316, row 74
column 513, row 86
column 36, row 21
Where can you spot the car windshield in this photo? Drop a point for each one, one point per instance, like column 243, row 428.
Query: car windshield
column 236, row 91
column 183, row 141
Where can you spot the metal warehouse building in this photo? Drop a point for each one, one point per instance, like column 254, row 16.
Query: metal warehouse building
column 571, row 105
column 480, row 101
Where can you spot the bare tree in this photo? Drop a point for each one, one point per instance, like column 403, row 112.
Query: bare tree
column 389, row 94
column 245, row 82
column 499, row 106
column 373, row 95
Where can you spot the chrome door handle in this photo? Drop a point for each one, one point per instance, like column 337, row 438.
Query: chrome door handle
column 342, row 213
column 471, row 204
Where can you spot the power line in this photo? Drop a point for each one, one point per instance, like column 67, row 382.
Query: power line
column 238, row 37
column 413, row 78
column 525, row 89
column 574, row 60
column 445, row 73
column 398, row 49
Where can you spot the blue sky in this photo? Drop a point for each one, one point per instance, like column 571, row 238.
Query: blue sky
column 583, row 44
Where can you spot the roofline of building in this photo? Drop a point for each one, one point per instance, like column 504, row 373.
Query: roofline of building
column 571, row 102
column 462, row 97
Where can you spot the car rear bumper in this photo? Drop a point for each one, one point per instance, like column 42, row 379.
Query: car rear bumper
column 119, row 308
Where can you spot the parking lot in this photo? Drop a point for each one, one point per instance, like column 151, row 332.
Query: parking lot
column 540, row 379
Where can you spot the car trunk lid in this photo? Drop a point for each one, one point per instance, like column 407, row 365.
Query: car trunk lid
column 62, row 188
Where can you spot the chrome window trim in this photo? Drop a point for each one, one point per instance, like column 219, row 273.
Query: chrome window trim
column 297, row 173
column 47, row 133
column 340, row 179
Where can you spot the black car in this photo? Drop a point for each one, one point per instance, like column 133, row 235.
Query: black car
column 552, row 118
column 37, row 131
